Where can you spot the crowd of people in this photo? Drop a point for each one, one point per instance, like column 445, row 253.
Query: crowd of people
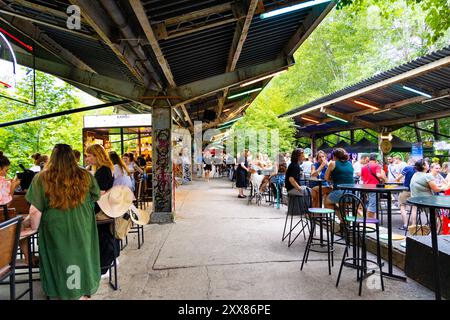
column 421, row 177
column 64, row 207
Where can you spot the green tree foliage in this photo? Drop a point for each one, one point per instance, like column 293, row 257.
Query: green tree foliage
column 355, row 42
column 437, row 13
column 262, row 118
column 19, row 142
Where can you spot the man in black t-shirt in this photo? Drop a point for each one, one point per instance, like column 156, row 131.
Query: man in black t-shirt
column 294, row 173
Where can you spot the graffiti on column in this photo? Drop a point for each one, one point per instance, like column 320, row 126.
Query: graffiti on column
column 187, row 173
column 162, row 193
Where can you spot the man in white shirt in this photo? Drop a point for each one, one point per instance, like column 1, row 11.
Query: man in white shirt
column 357, row 166
column 306, row 166
column 399, row 166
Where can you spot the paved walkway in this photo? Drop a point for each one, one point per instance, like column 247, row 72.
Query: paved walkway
column 221, row 248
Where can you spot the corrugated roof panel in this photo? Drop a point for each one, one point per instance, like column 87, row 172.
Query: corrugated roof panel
column 267, row 37
column 94, row 53
column 445, row 52
column 199, row 55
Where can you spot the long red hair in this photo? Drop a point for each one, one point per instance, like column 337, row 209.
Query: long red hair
column 65, row 183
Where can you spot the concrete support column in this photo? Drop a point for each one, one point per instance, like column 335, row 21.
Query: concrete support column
column 163, row 190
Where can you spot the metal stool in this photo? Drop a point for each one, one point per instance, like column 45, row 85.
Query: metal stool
column 296, row 207
column 324, row 217
column 355, row 231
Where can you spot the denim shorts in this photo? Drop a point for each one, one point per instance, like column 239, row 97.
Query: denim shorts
column 335, row 195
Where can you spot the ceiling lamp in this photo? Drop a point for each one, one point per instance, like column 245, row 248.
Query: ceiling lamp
column 417, row 91
column 244, row 93
column 295, row 7
column 337, row 118
column 310, row 120
column 366, row 105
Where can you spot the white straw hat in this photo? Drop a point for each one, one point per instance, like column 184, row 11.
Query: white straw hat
column 116, row 201
column 139, row 216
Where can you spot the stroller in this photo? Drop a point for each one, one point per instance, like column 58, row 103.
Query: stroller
column 255, row 184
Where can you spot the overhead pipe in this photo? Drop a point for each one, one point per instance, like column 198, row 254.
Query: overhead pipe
column 115, row 13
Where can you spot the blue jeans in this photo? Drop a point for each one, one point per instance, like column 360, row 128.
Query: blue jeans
column 372, row 203
column 335, row 195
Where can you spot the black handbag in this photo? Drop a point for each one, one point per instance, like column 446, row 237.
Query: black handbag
column 25, row 177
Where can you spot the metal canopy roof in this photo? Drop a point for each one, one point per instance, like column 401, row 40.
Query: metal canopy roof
column 396, row 106
column 190, row 54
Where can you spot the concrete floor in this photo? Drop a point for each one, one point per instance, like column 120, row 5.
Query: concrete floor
column 221, row 248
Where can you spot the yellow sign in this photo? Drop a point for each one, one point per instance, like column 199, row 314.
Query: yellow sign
column 386, row 146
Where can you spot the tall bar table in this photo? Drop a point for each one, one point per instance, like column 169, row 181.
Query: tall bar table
column 372, row 188
column 433, row 203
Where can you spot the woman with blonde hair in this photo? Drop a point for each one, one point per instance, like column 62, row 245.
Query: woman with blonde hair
column 103, row 173
column 121, row 172
column 62, row 197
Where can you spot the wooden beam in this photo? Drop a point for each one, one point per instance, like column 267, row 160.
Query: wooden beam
column 139, row 10
column 326, row 132
column 421, row 117
column 349, row 118
column 186, row 114
column 429, row 131
column 391, row 106
column 240, row 36
column 441, row 63
column 418, row 135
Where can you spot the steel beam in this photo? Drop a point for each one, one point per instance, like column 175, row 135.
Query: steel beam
column 240, row 36
column 106, row 29
column 198, row 14
column 139, row 10
column 306, row 28
column 30, row 30
column 124, row 89
column 63, row 113
column 421, row 117
column 349, row 118
column 208, row 86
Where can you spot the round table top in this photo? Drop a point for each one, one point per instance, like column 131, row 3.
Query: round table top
column 315, row 179
column 441, row 202
column 372, row 188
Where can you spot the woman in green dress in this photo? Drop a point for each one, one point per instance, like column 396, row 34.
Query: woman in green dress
column 62, row 199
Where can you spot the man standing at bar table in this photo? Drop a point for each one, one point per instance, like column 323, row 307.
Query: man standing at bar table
column 372, row 174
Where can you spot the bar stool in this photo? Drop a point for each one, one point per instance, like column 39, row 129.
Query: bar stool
column 295, row 208
column 324, row 217
column 355, row 231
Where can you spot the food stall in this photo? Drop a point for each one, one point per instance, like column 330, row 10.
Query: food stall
column 123, row 133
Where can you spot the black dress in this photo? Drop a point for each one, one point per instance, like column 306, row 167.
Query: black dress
column 207, row 162
column 241, row 175
column 109, row 245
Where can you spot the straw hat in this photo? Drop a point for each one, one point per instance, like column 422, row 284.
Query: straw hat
column 116, row 201
column 139, row 216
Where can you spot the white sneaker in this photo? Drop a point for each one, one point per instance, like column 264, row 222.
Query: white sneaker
column 106, row 275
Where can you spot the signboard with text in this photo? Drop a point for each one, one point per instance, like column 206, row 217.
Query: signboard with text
column 118, row 121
